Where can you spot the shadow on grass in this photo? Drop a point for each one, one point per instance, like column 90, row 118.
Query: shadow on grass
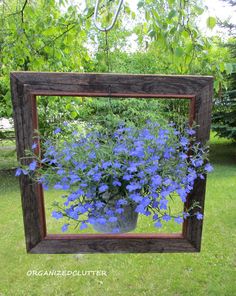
column 8, row 182
column 222, row 151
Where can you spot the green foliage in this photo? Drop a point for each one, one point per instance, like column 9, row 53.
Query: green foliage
column 224, row 116
column 211, row 22
column 63, row 39
column 55, row 110
column 224, row 119
column 33, row 40
column 107, row 112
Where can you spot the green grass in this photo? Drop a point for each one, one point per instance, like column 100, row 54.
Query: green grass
column 211, row 272
column 7, row 154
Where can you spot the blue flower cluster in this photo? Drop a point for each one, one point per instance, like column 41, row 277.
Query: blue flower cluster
column 103, row 173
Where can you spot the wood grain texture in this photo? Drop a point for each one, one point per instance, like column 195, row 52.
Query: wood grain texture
column 111, row 84
column 30, row 194
column 203, row 105
column 114, row 244
column 25, row 86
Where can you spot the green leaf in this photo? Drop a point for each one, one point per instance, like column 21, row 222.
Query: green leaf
column 179, row 52
column 170, row 2
column 199, row 10
column 68, row 106
column 152, row 33
column 228, row 68
column 189, row 48
column 211, row 22
column 173, row 30
column 216, row 85
column 222, row 67
column 185, row 34
column 74, row 114
column 140, row 4
column 172, row 13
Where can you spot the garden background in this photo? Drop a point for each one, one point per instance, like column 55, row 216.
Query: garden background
column 159, row 37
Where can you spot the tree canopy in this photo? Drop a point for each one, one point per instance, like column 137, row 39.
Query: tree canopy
column 161, row 37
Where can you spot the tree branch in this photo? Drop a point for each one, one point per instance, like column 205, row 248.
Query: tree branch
column 22, row 11
column 69, row 29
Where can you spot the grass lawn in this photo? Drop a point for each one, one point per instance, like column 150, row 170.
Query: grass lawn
column 211, row 272
column 7, row 154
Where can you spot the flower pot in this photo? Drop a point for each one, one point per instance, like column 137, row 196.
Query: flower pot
column 127, row 221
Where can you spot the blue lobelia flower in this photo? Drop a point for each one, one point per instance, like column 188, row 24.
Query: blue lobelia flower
column 116, row 165
column 65, row 227
column 119, row 211
column 127, row 177
column 158, row 224
column 61, row 172
column 20, row 171
column 58, row 186
column 74, row 178
column 199, row 216
column 65, row 186
column 208, row 168
column 135, row 197
column 147, row 213
column 34, row 146
column 33, row 165
column 106, row 164
column 57, row 215
column 112, row 219
column 197, row 162
column 101, row 220
column 183, row 155
column 179, row 220
column 57, row 130
column 185, row 215
column 116, row 183
column 156, row 180
column 155, row 217
column 184, row 141
column 92, row 155
column 103, row 188
column 99, row 204
column 132, row 168
column 121, row 202
column 191, row 132
column 140, row 209
column 182, row 193
column 133, row 186
column 163, row 204
column 97, row 176
column 145, row 201
column 83, row 226
column 166, row 217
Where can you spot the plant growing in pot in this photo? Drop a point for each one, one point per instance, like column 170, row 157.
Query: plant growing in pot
column 112, row 178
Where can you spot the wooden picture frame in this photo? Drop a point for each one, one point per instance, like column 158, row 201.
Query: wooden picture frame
column 25, row 86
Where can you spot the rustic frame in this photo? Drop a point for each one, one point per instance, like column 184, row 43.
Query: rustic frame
column 25, row 86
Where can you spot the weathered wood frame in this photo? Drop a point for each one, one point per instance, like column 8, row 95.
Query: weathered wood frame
column 25, row 86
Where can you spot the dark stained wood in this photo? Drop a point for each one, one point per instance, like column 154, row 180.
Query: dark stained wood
column 192, row 229
column 113, row 244
column 25, row 86
column 30, row 194
column 111, row 84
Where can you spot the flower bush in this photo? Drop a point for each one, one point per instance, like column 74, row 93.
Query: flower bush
column 102, row 173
